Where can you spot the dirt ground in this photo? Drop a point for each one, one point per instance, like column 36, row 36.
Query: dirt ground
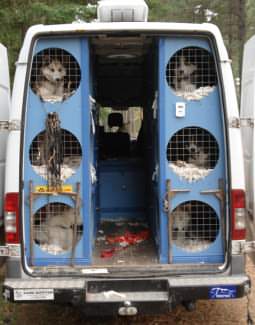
column 206, row 312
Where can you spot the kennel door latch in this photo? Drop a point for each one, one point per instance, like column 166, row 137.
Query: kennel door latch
column 13, row 125
column 170, row 194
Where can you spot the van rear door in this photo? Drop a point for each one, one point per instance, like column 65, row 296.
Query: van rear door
column 247, row 123
column 4, row 113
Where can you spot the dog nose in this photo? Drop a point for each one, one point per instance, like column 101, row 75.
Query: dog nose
column 57, row 79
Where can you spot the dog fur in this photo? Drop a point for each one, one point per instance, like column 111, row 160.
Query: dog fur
column 196, row 155
column 51, row 79
column 181, row 222
column 58, row 230
column 183, row 77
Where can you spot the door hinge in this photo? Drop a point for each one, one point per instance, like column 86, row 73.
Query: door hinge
column 236, row 122
column 13, row 125
column 249, row 247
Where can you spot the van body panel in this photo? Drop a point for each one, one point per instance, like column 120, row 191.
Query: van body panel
column 247, row 115
column 4, row 116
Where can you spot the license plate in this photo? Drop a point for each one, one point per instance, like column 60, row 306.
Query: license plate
column 4, row 251
column 33, row 294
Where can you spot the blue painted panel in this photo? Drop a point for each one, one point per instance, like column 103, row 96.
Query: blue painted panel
column 206, row 113
column 121, row 189
column 74, row 114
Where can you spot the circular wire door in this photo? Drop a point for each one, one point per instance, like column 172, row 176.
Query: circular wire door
column 195, row 226
column 56, row 228
column 191, row 73
column 192, row 153
column 70, row 155
column 55, row 75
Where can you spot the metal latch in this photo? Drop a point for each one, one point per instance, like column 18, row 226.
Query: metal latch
column 236, row 122
column 249, row 247
column 13, row 125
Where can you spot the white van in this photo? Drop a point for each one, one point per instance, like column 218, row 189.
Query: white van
column 247, row 126
column 125, row 183
column 4, row 116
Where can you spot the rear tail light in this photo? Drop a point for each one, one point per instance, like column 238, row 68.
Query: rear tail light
column 238, row 215
column 11, row 209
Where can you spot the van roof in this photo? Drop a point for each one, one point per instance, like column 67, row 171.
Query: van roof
column 97, row 27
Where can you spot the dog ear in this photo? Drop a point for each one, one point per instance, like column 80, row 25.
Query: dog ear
column 188, row 207
column 45, row 60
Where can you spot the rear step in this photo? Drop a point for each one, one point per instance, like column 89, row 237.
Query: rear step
column 127, row 290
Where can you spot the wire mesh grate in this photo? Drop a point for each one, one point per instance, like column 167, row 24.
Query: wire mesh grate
column 191, row 73
column 195, row 226
column 53, row 228
column 192, row 153
column 55, row 75
column 70, row 154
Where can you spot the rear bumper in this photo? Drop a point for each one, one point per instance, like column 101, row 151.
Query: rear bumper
column 111, row 297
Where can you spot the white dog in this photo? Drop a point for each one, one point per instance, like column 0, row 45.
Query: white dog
column 181, row 223
column 50, row 84
column 57, row 231
column 196, row 154
column 183, row 78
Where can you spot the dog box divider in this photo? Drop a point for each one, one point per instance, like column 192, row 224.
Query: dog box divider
column 73, row 111
column 190, row 121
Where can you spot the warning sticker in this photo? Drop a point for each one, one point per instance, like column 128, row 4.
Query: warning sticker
column 33, row 294
column 45, row 188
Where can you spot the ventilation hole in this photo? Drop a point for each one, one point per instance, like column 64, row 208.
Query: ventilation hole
column 55, row 75
column 69, row 156
column 192, row 153
column 191, row 73
column 54, row 227
column 194, row 226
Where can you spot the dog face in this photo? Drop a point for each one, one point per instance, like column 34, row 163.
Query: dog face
column 181, row 221
column 185, row 70
column 53, row 70
column 193, row 149
column 197, row 155
column 184, row 75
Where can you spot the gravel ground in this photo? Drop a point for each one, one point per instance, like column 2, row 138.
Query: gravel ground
column 206, row 312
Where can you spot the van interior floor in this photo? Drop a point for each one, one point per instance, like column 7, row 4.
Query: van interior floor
column 126, row 242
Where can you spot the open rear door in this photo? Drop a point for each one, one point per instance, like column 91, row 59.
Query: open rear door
column 247, row 123
column 4, row 113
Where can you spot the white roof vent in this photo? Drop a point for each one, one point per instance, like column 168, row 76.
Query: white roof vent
column 122, row 10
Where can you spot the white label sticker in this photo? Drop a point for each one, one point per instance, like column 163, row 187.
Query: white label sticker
column 180, row 109
column 33, row 294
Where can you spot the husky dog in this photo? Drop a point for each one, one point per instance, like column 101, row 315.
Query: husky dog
column 197, row 155
column 181, row 222
column 58, row 231
column 50, row 83
column 183, row 77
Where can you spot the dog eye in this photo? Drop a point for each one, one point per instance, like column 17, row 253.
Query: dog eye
column 52, row 70
column 59, row 70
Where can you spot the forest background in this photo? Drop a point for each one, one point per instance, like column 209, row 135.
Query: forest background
column 235, row 18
